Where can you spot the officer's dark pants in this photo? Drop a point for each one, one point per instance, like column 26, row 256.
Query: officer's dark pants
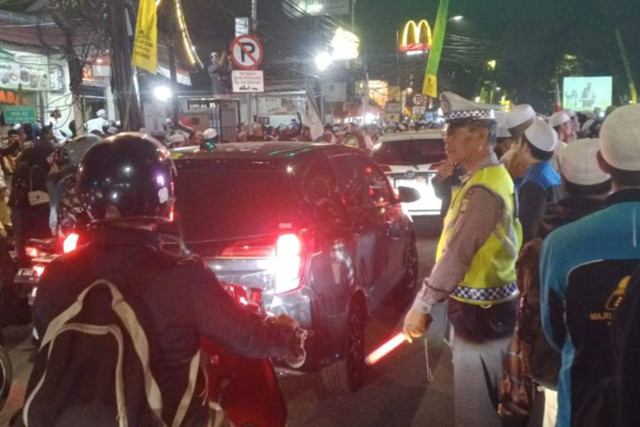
column 30, row 222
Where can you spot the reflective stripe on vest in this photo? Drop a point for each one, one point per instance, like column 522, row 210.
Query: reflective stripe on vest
column 491, row 276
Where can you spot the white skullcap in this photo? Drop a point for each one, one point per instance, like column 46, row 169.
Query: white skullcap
column 101, row 113
column 620, row 138
column 210, row 133
column 459, row 109
column 542, row 136
column 558, row 118
column 177, row 138
column 502, row 131
column 570, row 113
column 579, row 163
column 518, row 115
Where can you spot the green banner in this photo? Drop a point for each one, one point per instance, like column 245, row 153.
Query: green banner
column 430, row 86
column 18, row 114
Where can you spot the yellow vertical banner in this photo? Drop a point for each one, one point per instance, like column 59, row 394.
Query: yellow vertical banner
column 145, row 44
column 430, row 86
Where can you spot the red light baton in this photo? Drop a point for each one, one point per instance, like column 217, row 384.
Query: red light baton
column 385, row 349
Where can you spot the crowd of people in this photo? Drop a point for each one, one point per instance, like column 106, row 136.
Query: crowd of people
column 536, row 263
column 536, row 259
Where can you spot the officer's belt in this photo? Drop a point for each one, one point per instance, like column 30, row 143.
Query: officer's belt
column 485, row 294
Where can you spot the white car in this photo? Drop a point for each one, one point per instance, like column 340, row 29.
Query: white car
column 411, row 159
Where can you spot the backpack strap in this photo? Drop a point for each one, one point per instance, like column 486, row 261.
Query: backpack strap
column 185, row 402
column 119, row 381
column 130, row 321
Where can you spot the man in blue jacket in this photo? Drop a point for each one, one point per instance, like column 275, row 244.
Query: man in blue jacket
column 539, row 187
column 584, row 270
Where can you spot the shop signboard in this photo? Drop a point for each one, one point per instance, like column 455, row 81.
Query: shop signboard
column 29, row 73
column 17, row 114
column 155, row 114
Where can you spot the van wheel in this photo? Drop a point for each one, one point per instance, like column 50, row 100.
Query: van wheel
column 347, row 375
column 410, row 279
column 6, row 376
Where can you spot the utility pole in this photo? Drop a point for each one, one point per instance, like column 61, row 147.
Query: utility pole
column 365, row 96
column 172, row 64
column 254, row 31
column 124, row 90
column 353, row 16
column 627, row 68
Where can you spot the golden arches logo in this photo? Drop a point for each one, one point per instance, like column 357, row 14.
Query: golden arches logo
column 415, row 37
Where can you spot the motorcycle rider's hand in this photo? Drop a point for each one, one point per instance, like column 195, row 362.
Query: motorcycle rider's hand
column 415, row 324
column 283, row 319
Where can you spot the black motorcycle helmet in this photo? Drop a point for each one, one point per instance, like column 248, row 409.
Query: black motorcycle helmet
column 131, row 172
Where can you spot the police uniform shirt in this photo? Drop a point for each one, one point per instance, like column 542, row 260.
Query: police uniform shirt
column 480, row 213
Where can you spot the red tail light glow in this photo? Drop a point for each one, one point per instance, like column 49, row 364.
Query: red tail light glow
column 70, row 243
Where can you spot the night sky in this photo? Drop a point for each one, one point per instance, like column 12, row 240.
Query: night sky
column 532, row 38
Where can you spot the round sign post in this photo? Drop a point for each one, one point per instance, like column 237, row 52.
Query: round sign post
column 418, row 100
column 246, row 52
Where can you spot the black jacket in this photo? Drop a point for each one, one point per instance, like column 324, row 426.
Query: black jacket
column 176, row 300
column 31, row 172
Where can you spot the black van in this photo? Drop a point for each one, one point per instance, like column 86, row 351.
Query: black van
column 315, row 229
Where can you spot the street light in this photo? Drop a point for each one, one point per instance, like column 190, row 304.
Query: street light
column 457, row 18
column 162, row 93
column 323, row 61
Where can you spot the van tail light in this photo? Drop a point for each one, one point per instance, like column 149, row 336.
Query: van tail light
column 287, row 253
column 70, row 242
column 289, row 262
column 39, row 269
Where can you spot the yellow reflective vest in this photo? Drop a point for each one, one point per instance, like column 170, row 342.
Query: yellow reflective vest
column 492, row 274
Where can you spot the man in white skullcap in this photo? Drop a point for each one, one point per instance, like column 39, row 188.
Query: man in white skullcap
column 585, row 188
column 584, row 272
column 503, row 136
column 584, row 185
column 539, row 187
column 99, row 124
column 475, row 263
column 563, row 125
column 517, row 121
column 575, row 123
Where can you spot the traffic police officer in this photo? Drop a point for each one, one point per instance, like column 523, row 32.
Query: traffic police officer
column 475, row 263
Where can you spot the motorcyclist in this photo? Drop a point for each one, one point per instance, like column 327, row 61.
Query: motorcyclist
column 126, row 187
column 210, row 140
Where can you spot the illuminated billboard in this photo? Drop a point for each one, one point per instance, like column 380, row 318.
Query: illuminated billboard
column 587, row 93
column 415, row 37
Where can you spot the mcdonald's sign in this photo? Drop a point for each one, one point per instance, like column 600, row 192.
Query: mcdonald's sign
column 415, row 37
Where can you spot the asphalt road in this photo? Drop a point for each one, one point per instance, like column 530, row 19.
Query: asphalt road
column 397, row 390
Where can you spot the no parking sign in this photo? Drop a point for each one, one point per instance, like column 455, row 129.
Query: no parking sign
column 246, row 52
